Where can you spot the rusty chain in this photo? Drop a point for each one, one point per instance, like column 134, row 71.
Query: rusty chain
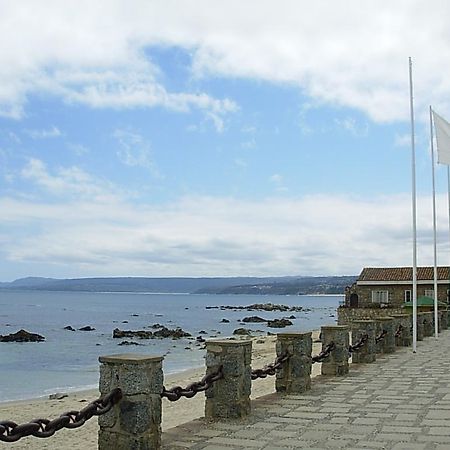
column 399, row 331
column 190, row 390
column 42, row 428
column 324, row 354
column 381, row 336
column 360, row 343
column 271, row 369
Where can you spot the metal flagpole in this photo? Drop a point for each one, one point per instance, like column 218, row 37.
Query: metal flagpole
column 448, row 198
column 414, row 220
column 436, row 318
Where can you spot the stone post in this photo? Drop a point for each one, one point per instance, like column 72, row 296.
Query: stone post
column 428, row 329
column 405, row 338
column 367, row 352
column 337, row 362
column 420, row 326
column 378, row 330
column 444, row 319
column 229, row 397
column 295, row 374
column 388, row 343
column 135, row 422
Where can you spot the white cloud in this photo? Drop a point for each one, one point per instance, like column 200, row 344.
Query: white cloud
column 52, row 132
column 344, row 52
column 88, row 228
column 403, row 140
column 352, row 126
column 68, row 182
column 135, row 151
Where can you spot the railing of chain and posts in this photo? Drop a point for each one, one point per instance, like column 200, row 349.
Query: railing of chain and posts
column 132, row 386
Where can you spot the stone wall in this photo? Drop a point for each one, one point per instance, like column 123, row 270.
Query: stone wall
column 347, row 315
column 396, row 293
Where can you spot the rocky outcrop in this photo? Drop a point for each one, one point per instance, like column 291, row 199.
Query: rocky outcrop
column 260, row 307
column 242, row 332
column 164, row 332
column 69, row 328
column 129, row 343
column 279, row 323
column 176, row 333
column 253, row 319
column 87, row 328
column 141, row 334
column 22, row 336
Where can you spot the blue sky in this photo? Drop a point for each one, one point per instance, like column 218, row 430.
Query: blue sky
column 215, row 138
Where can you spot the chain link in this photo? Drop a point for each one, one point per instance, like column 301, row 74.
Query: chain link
column 399, row 331
column 206, row 382
column 381, row 336
column 42, row 428
column 271, row 369
column 360, row 343
column 324, row 354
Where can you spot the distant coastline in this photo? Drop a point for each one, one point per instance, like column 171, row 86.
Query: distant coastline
column 292, row 285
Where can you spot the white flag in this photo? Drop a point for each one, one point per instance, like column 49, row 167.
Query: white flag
column 442, row 128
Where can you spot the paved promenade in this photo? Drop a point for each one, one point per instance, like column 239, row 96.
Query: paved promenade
column 402, row 401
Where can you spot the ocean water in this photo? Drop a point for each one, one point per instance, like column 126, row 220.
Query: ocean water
column 68, row 360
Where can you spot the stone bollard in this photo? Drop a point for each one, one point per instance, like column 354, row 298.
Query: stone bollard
column 444, row 319
column 229, row 397
column 428, row 324
column 135, row 422
column 378, row 330
column 366, row 354
column 388, row 343
column 337, row 362
column 295, row 374
column 405, row 338
column 420, row 326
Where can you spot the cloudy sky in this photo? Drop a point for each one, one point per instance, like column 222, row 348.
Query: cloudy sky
column 217, row 138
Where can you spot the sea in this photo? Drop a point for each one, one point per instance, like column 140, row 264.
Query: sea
column 68, row 360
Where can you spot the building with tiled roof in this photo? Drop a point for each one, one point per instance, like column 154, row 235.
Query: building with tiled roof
column 392, row 286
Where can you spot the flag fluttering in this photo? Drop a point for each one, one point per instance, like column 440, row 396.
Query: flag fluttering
column 442, row 129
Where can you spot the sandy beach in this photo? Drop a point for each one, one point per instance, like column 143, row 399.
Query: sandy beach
column 174, row 413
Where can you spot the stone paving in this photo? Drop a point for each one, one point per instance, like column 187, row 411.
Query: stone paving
column 402, row 401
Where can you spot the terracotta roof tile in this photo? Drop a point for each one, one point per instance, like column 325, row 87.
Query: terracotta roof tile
column 402, row 273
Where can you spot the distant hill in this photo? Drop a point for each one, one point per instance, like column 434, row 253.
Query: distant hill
column 296, row 286
column 230, row 285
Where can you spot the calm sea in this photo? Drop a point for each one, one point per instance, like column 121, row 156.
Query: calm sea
column 68, row 360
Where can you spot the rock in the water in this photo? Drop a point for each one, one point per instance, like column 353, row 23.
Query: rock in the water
column 177, row 333
column 86, row 328
column 129, row 343
column 22, row 336
column 261, row 307
column 69, row 328
column 224, row 321
column 279, row 323
column 164, row 332
column 242, row 332
column 141, row 334
column 253, row 319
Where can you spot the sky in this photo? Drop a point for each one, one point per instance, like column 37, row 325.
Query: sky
column 218, row 138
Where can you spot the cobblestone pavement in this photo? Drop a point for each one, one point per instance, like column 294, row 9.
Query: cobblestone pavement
column 402, row 401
